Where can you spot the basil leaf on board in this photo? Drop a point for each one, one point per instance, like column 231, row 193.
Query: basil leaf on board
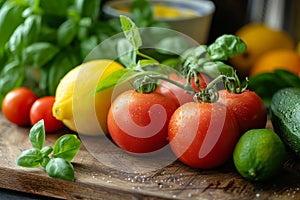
column 225, row 47
column 66, row 147
column 29, row 158
column 37, row 135
column 131, row 32
column 46, row 150
column 60, row 168
column 45, row 160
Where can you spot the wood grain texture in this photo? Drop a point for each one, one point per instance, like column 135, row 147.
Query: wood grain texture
column 95, row 180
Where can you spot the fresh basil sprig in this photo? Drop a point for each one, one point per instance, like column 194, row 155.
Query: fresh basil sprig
column 56, row 160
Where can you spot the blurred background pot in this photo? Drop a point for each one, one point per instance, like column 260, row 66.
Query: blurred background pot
column 190, row 17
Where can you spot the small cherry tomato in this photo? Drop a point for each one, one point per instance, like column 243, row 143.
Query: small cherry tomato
column 248, row 108
column 16, row 106
column 138, row 122
column 203, row 135
column 42, row 109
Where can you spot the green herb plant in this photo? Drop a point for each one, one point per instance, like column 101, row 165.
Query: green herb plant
column 55, row 160
column 41, row 40
column 202, row 59
column 267, row 84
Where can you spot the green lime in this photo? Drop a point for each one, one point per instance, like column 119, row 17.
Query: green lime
column 259, row 154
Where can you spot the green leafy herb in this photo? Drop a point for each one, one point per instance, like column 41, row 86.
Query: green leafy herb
column 131, row 32
column 37, row 135
column 201, row 59
column 60, row 168
column 57, row 160
column 266, row 84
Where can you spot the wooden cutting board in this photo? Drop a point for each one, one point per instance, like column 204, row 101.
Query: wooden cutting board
column 103, row 179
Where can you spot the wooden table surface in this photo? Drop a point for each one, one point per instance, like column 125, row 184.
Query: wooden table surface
column 95, row 180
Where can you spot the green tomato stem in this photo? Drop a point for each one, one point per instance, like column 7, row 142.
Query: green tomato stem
column 145, row 56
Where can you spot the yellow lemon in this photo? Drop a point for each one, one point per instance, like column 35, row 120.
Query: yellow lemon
column 277, row 59
column 76, row 103
column 259, row 39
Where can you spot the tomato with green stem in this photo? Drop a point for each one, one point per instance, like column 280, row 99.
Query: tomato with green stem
column 246, row 105
column 203, row 134
column 138, row 122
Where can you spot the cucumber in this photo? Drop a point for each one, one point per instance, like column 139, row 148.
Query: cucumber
column 285, row 117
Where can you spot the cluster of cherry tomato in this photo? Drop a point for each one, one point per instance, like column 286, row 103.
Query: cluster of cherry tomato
column 23, row 108
column 200, row 134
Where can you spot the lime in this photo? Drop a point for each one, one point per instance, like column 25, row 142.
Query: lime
column 259, row 154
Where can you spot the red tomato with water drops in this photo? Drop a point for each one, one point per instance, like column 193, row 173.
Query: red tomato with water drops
column 177, row 94
column 138, row 122
column 16, row 106
column 248, row 108
column 203, row 135
column 42, row 109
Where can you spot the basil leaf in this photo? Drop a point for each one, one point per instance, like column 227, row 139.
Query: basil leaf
column 266, row 84
column 214, row 69
column 90, row 8
column 126, row 53
column 46, row 150
column 16, row 42
column 44, row 162
column 11, row 76
column 38, row 54
column 60, row 168
column 29, row 158
column 225, row 47
column 31, row 28
column 131, row 32
column 37, row 135
column 66, row 147
column 117, row 77
column 87, row 45
column 61, row 64
column 10, row 19
column 55, row 7
column 66, row 32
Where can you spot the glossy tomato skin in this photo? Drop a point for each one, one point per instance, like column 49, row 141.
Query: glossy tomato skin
column 203, row 135
column 16, row 106
column 42, row 109
column 248, row 108
column 178, row 95
column 138, row 123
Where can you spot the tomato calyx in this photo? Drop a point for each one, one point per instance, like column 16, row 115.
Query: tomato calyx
column 145, row 84
column 234, row 85
column 210, row 93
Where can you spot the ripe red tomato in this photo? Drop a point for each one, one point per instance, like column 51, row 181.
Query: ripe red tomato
column 138, row 122
column 16, row 105
column 42, row 109
column 203, row 135
column 248, row 108
column 178, row 95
